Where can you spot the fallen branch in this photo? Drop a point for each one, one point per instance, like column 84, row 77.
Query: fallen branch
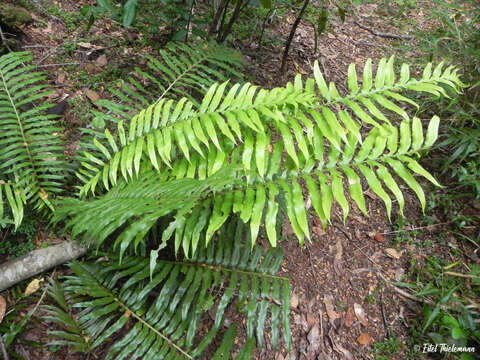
column 37, row 261
column 382, row 34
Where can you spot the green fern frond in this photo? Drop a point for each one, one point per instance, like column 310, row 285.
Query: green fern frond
column 202, row 206
column 73, row 333
column 182, row 70
column 283, row 139
column 31, row 151
column 247, row 115
column 164, row 303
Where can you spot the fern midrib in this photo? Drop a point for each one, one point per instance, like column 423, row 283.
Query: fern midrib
column 373, row 91
column 139, row 318
column 25, row 143
column 181, row 120
column 274, row 181
column 194, row 65
column 302, row 172
column 197, row 115
column 220, row 268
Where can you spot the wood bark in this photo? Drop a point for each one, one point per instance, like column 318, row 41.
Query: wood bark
column 238, row 7
column 220, row 9
column 37, row 261
column 292, row 33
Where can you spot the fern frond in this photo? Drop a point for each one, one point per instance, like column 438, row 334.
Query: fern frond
column 201, row 212
column 31, row 151
column 166, row 301
column 275, row 141
column 73, row 334
column 182, row 70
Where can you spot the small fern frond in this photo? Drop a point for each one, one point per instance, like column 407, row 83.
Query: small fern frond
column 182, row 70
column 31, row 151
column 73, row 334
column 166, row 301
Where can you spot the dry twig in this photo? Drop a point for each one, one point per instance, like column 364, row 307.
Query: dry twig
column 382, row 34
column 4, row 40
column 3, row 349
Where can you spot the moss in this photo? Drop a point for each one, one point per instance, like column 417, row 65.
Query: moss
column 14, row 16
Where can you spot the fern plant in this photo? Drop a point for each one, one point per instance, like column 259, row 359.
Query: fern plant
column 273, row 141
column 182, row 70
column 161, row 309
column 32, row 164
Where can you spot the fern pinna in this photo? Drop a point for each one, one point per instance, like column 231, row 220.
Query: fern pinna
column 273, row 141
column 162, row 308
column 32, row 164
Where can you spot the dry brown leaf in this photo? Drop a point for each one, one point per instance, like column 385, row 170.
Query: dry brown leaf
column 328, row 301
column 364, row 339
column 311, row 320
column 379, row 237
column 348, row 355
column 349, row 317
column 314, row 339
column 287, row 229
column 399, row 272
column 392, row 253
column 33, row 286
column 3, row 308
column 294, row 300
column 101, row 61
column 92, row 95
column 300, row 69
column 61, row 78
column 318, row 231
column 85, row 45
column 360, row 314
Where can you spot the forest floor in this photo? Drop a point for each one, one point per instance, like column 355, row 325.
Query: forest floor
column 345, row 304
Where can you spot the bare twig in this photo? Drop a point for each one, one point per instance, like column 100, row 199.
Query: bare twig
column 384, row 318
column 311, row 263
column 293, row 29
column 4, row 40
column 37, row 46
column 3, row 349
column 382, row 34
column 468, row 276
column 49, row 53
column 45, row 11
column 61, row 64
column 467, row 238
column 416, row 228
